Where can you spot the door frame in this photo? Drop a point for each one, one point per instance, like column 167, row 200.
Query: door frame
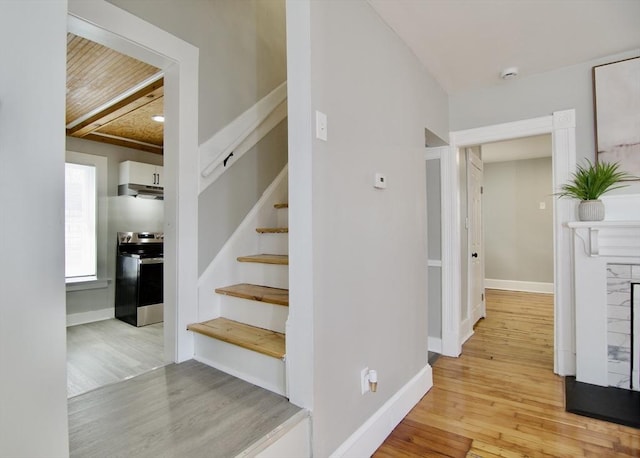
column 115, row 28
column 561, row 125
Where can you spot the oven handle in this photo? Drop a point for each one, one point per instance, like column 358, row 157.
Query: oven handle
column 151, row 260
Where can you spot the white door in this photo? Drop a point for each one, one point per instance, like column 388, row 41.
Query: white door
column 475, row 301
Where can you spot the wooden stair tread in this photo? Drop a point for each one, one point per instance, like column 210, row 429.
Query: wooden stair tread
column 272, row 230
column 278, row 206
column 267, row 294
column 281, row 259
column 263, row 341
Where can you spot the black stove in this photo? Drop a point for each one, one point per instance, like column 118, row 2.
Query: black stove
column 139, row 277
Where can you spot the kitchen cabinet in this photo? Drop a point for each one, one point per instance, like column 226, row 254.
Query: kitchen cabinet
column 141, row 174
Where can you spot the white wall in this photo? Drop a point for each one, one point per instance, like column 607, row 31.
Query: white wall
column 534, row 96
column 33, row 395
column 367, row 247
column 124, row 213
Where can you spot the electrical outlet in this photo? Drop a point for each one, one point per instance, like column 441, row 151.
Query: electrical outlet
column 364, row 380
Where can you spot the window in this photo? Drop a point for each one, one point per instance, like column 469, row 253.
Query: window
column 80, row 221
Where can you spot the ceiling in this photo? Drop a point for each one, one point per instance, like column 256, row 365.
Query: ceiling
column 112, row 97
column 521, row 148
column 465, row 44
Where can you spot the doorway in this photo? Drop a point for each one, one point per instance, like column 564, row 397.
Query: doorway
column 561, row 125
column 108, row 96
column 113, row 27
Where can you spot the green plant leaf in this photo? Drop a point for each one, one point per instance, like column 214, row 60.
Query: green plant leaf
column 591, row 181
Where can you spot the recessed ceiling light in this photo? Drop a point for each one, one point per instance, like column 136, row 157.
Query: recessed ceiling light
column 509, row 73
column 158, row 118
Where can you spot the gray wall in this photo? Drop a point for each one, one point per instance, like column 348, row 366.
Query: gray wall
column 124, row 213
column 242, row 58
column 518, row 235
column 434, row 247
column 464, row 233
column 368, row 271
column 33, row 385
column 534, row 96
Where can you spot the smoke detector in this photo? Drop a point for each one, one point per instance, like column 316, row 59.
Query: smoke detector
column 509, row 73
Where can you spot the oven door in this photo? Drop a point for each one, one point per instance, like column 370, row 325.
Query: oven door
column 150, row 291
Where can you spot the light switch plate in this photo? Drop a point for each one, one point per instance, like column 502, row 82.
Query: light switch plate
column 321, row 126
column 380, row 181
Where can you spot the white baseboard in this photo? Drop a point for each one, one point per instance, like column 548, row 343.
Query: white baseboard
column 515, row 285
column 375, row 430
column 89, row 317
column 435, row 344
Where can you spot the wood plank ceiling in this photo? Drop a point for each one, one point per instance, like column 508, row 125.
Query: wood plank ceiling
column 111, row 97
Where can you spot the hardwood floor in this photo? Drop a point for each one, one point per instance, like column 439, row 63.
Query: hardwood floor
column 109, row 351
column 180, row 410
column 501, row 398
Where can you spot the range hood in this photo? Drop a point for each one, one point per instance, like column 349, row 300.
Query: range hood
column 141, row 190
column 140, row 180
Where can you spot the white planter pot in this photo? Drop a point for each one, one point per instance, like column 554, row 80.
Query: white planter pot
column 591, row 210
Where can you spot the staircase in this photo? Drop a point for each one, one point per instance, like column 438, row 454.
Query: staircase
column 246, row 338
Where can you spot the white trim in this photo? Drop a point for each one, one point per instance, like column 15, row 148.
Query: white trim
column 517, row 285
column 562, row 127
column 82, row 285
column 451, row 268
column 111, row 26
column 434, row 263
column 241, row 134
column 375, row 430
column 435, row 344
column 434, row 153
column 89, row 317
column 291, row 438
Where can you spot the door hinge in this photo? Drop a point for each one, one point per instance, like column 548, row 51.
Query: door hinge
column 481, row 189
column 482, row 294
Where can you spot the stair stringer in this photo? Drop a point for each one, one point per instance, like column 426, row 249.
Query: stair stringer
column 225, row 269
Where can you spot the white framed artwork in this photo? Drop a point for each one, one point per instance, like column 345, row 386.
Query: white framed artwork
column 617, row 113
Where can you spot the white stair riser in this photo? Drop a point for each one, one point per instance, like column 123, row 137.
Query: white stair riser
column 274, row 275
column 253, row 367
column 273, row 243
column 283, row 217
column 255, row 313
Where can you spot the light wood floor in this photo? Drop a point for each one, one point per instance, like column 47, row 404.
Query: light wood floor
column 501, row 398
column 109, row 351
column 185, row 410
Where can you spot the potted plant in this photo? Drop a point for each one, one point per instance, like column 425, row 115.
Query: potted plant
column 589, row 183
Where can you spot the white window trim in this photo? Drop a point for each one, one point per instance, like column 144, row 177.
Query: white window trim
column 100, row 280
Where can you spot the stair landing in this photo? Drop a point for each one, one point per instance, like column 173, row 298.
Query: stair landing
column 263, row 341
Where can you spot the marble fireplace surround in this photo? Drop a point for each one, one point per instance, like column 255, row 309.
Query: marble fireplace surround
column 603, row 251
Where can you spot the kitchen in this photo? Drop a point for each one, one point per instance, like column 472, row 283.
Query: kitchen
column 110, row 130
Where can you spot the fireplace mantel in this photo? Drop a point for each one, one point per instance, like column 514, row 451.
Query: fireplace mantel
column 608, row 238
